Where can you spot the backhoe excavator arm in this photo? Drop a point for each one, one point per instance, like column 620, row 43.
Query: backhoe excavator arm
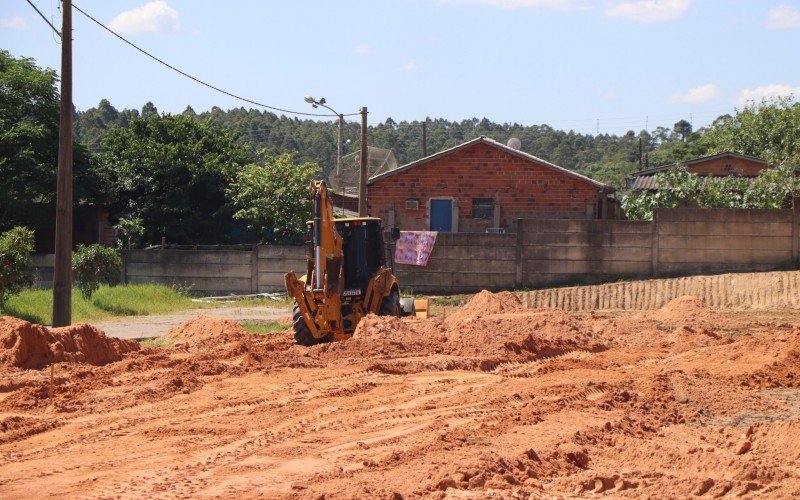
column 320, row 298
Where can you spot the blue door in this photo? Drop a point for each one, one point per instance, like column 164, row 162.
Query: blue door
column 442, row 215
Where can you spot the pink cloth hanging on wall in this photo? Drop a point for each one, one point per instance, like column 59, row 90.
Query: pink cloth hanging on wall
column 414, row 247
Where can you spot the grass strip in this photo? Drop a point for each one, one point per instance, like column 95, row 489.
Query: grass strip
column 263, row 328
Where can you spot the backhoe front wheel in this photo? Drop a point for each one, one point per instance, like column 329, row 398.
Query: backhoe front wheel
column 390, row 305
column 302, row 335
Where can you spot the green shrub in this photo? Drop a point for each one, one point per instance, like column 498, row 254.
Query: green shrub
column 16, row 268
column 130, row 232
column 93, row 265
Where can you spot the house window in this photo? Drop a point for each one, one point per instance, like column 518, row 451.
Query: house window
column 482, row 208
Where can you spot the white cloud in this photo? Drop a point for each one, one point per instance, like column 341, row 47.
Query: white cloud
column 609, row 95
column 411, row 66
column 13, row 23
column 703, row 93
column 783, row 17
column 153, row 17
column 363, row 49
column 767, row 91
column 650, row 11
column 519, row 4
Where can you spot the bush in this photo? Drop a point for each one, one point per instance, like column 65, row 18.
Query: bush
column 773, row 188
column 16, row 268
column 93, row 265
column 130, row 232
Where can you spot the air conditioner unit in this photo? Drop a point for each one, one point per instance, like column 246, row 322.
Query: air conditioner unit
column 412, row 204
column 496, row 230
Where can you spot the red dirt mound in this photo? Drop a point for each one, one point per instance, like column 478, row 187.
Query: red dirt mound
column 687, row 310
column 478, row 334
column 484, row 303
column 383, row 336
column 537, row 332
column 212, row 337
column 27, row 345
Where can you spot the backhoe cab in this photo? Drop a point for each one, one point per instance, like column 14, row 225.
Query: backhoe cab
column 346, row 275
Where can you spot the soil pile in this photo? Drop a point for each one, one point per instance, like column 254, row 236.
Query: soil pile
column 521, row 333
column 207, row 332
column 687, row 310
column 484, row 303
column 490, row 329
column 31, row 346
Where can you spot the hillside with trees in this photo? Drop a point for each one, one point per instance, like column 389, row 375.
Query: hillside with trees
column 607, row 158
column 207, row 177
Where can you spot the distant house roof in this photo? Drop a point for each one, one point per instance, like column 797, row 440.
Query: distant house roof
column 498, row 145
column 655, row 170
column 648, row 182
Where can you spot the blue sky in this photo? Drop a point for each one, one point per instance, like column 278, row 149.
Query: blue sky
column 567, row 63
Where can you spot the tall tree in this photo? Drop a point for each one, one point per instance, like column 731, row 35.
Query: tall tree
column 272, row 197
column 172, row 173
column 769, row 130
column 29, row 110
column 683, row 129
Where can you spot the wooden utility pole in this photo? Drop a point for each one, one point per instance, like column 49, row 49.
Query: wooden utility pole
column 425, row 138
column 62, row 273
column 362, row 173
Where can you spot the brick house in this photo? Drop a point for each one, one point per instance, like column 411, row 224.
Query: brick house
column 483, row 185
column 718, row 165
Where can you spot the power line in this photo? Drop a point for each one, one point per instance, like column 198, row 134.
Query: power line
column 201, row 82
column 44, row 18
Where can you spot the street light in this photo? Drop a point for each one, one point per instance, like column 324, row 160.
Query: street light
column 315, row 103
column 362, row 172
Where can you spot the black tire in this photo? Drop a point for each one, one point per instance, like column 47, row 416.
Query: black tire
column 390, row 305
column 302, row 335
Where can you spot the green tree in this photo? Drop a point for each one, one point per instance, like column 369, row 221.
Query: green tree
column 93, row 265
column 773, row 188
column 171, row 172
column 29, row 116
column 683, row 130
column 272, row 197
column 130, row 232
column 16, row 268
column 769, row 130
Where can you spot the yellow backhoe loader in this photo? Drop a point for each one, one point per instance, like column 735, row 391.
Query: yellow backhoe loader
column 346, row 276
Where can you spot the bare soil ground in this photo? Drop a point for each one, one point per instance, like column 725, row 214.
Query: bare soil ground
column 494, row 401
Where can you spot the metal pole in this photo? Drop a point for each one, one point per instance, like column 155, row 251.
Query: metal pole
column 362, row 174
column 62, row 272
column 640, row 153
column 339, row 152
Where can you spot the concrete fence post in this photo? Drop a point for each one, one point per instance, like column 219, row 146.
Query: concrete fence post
column 254, row 269
column 126, row 255
column 654, row 254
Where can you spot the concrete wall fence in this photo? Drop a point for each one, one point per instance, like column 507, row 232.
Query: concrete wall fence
column 543, row 253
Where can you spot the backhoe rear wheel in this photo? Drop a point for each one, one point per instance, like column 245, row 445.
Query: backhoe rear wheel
column 390, row 305
column 302, row 335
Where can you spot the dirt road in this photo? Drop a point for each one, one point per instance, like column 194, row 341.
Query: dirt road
column 496, row 400
column 143, row 327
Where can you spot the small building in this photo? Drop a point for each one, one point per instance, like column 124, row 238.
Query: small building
column 90, row 224
column 483, row 186
column 719, row 165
